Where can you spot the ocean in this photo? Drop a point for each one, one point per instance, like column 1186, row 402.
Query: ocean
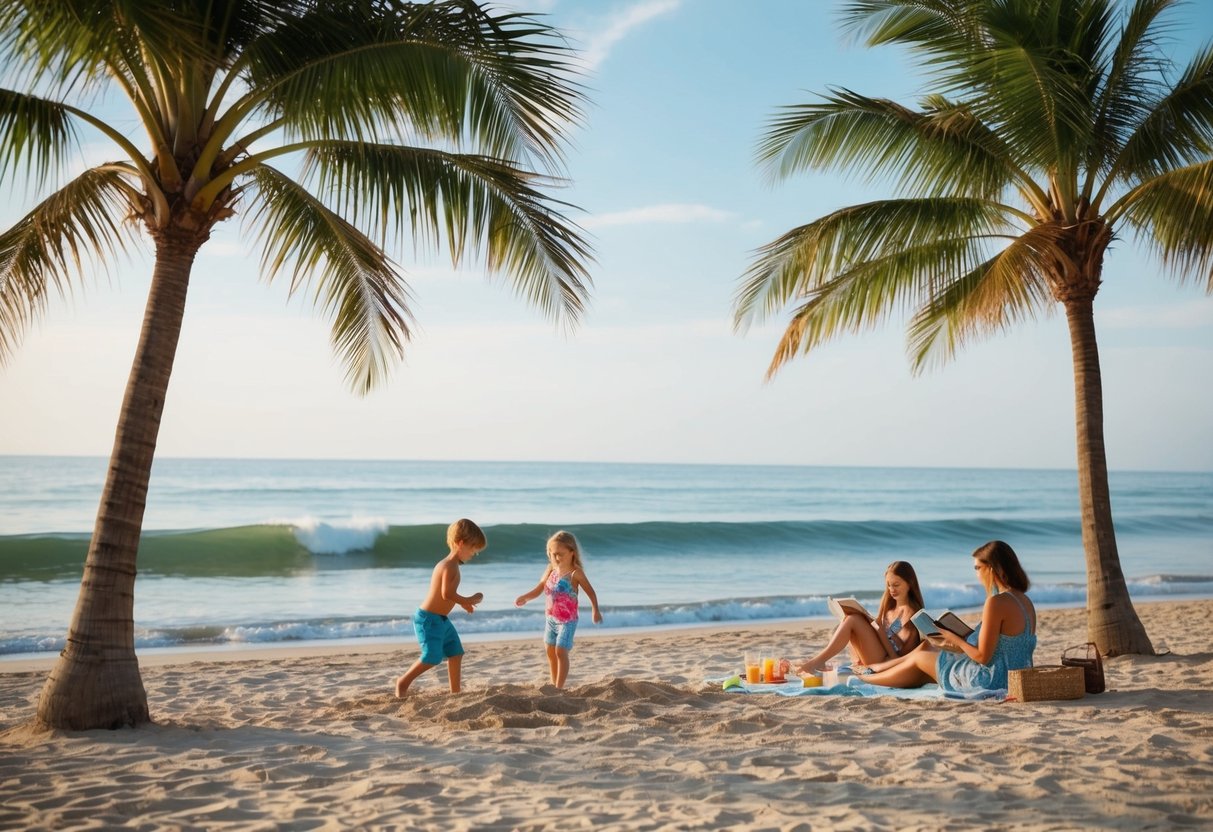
column 245, row 552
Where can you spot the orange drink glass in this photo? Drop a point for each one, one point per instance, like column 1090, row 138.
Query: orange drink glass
column 753, row 669
column 768, row 668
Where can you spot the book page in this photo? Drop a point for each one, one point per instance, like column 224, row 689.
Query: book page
column 924, row 623
column 951, row 621
column 843, row 607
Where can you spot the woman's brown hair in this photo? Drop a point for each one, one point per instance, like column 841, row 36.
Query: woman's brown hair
column 1002, row 560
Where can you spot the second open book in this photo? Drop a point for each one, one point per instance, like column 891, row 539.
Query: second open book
column 930, row 625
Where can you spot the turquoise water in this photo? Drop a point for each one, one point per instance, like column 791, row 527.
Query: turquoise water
column 256, row 551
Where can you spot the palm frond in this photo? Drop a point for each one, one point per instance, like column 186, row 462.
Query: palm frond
column 902, row 247
column 942, row 150
column 439, row 71
column 74, row 41
column 1005, row 61
column 1006, row 289
column 1178, row 129
column 940, row 28
column 1172, row 214
column 352, row 279
column 1039, row 105
column 35, row 134
column 479, row 205
column 49, row 40
column 45, row 249
column 859, row 297
column 1129, row 74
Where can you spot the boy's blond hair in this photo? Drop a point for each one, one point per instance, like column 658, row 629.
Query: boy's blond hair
column 465, row 531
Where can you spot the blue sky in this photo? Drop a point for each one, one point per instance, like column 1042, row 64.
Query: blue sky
column 663, row 172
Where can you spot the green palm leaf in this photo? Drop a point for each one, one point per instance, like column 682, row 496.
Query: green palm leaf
column 1003, row 59
column 475, row 203
column 885, row 254
column 937, row 27
column 35, row 134
column 444, row 70
column 75, row 40
column 943, row 149
column 1009, row 288
column 1177, row 129
column 353, row 281
column 1173, row 216
column 1132, row 67
column 77, row 223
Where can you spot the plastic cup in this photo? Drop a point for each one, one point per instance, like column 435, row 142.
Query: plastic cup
column 753, row 668
column 829, row 674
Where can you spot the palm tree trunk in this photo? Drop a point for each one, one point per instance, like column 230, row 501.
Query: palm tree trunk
column 96, row 682
column 1112, row 623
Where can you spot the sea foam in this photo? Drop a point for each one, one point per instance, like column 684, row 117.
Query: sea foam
column 337, row 537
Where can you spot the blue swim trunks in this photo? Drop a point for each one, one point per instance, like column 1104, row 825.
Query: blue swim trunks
column 559, row 633
column 437, row 637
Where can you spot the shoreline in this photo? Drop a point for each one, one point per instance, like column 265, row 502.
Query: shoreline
column 315, row 738
column 190, row 654
column 269, row 651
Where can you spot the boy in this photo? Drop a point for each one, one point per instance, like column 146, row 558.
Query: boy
column 434, row 630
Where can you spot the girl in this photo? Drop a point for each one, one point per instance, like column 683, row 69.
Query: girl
column 561, row 582
column 1003, row 641
column 889, row 635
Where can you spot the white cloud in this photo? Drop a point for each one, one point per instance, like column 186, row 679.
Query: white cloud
column 603, row 39
column 1190, row 314
column 667, row 213
column 528, row 6
column 587, row 333
column 224, row 248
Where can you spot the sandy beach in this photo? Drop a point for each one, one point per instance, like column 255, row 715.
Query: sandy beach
column 314, row 739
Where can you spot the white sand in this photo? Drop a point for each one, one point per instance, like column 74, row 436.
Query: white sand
column 315, row 740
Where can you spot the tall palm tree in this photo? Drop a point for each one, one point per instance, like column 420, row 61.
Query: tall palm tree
column 340, row 128
column 1053, row 127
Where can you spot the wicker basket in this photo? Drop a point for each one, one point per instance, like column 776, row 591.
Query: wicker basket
column 1037, row 684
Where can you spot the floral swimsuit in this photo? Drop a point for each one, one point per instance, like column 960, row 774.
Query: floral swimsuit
column 562, row 599
column 561, row 607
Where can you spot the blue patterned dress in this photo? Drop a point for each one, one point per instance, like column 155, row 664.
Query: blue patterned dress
column 957, row 672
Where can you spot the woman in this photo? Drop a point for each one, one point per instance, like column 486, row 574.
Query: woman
column 888, row 636
column 1003, row 641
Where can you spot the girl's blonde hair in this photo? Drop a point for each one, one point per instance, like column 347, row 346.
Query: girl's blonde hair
column 567, row 540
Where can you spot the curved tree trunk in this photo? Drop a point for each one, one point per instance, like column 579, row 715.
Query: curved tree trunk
column 96, row 682
column 1112, row 623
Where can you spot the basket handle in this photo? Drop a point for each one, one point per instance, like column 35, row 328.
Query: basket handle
column 1087, row 650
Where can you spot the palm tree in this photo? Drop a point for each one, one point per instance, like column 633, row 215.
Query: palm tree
column 341, row 128
column 1054, row 126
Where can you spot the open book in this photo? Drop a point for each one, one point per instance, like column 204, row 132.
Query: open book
column 929, row 625
column 842, row 607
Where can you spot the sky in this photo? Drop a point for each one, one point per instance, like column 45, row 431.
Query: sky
column 663, row 175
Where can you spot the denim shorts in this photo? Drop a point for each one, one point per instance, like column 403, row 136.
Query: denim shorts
column 559, row 633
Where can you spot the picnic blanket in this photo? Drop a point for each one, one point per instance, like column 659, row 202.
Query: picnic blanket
column 855, row 686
